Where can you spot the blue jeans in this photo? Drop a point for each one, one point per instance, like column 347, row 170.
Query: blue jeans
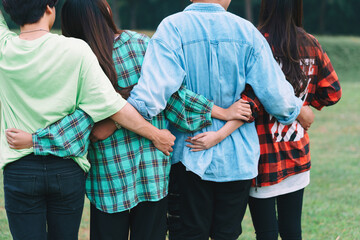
column 44, row 198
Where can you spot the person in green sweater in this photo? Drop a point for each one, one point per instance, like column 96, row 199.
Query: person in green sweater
column 43, row 78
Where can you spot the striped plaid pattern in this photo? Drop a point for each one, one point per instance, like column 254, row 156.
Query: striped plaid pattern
column 68, row 137
column 126, row 168
column 188, row 111
column 285, row 149
column 128, row 55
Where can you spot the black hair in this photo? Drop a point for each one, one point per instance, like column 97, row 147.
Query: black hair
column 27, row 11
column 95, row 25
column 281, row 21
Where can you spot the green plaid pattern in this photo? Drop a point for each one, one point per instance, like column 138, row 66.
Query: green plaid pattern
column 188, row 111
column 126, row 169
column 128, row 56
column 68, row 137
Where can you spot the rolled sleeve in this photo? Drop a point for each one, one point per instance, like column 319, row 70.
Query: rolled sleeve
column 68, row 137
column 188, row 111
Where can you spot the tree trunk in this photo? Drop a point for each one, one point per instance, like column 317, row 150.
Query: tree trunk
column 322, row 16
column 248, row 9
column 115, row 7
column 134, row 6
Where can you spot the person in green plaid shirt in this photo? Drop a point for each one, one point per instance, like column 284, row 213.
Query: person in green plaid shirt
column 128, row 181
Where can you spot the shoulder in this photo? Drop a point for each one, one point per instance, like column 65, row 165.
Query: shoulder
column 73, row 46
column 312, row 45
column 135, row 36
column 135, row 39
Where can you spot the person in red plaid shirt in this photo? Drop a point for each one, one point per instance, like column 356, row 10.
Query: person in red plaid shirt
column 277, row 193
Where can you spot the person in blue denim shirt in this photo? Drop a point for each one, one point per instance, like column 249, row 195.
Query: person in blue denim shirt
column 215, row 54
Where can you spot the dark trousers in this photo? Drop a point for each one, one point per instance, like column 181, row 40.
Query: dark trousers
column 146, row 221
column 287, row 222
column 44, row 198
column 201, row 209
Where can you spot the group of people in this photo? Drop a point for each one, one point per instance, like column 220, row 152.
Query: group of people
column 227, row 109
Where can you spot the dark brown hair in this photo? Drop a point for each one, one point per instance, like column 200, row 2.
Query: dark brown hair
column 92, row 21
column 281, row 23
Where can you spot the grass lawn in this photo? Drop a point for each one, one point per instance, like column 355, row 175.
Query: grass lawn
column 332, row 201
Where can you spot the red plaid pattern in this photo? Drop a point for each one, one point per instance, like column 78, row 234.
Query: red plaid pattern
column 284, row 150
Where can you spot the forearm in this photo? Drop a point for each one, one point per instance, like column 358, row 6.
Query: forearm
column 130, row 119
column 229, row 128
column 219, row 113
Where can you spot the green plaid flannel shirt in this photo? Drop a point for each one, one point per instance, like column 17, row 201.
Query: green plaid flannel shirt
column 125, row 168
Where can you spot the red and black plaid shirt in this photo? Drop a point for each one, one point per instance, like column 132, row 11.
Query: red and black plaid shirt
column 284, row 150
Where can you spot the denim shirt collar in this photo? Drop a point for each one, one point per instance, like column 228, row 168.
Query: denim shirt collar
column 205, row 7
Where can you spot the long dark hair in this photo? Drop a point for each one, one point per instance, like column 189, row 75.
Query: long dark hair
column 92, row 21
column 281, row 23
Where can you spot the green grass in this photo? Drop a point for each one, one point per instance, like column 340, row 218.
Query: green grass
column 332, row 201
column 344, row 53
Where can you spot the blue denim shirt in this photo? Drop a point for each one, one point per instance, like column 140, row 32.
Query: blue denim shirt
column 216, row 53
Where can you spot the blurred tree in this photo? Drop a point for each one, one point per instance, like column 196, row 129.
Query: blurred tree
column 322, row 16
column 115, row 7
column 249, row 11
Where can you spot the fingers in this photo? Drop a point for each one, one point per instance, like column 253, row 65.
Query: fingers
column 12, row 130
column 243, row 118
column 197, row 137
column 10, row 133
column 10, row 138
column 243, row 101
column 167, row 151
column 196, row 147
column 195, row 142
column 243, row 110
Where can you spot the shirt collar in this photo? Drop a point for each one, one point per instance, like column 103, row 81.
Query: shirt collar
column 205, row 7
column 122, row 38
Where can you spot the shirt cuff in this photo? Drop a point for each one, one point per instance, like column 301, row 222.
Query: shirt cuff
column 37, row 145
column 140, row 107
column 289, row 120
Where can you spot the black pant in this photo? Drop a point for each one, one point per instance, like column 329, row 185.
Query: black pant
column 201, row 209
column 146, row 221
column 44, row 198
column 288, row 221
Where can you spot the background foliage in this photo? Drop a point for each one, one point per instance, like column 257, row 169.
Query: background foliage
column 320, row 17
column 331, row 204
